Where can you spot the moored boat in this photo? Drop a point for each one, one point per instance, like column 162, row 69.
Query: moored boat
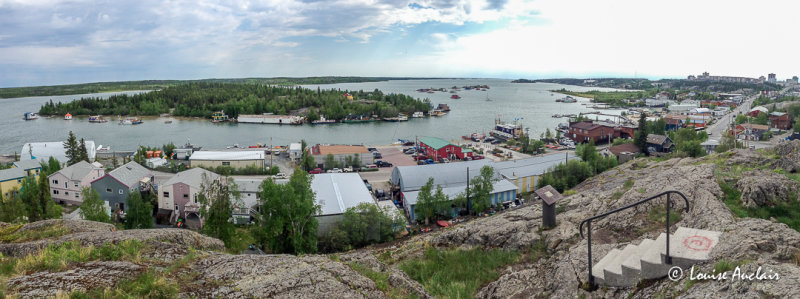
column 67, row 116
column 418, row 114
column 219, row 117
column 97, row 119
column 322, row 121
column 30, row 116
column 443, row 107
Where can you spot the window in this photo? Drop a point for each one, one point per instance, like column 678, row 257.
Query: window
column 54, row 192
column 226, row 163
column 66, row 192
column 76, row 184
column 65, row 184
column 166, row 194
column 109, row 190
column 120, row 191
column 55, row 182
column 176, row 207
column 185, row 195
column 76, row 195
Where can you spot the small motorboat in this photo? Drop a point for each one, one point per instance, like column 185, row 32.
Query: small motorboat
column 67, row 116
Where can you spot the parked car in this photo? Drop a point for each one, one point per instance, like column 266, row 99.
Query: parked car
column 383, row 163
column 429, row 161
column 445, row 160
column 377, row 155
column 369, row 187
column 372, row 166
column 348, row 169
column 467, row 158
column 488, row 139
column 372, row 149
column 279, row 175
column 421, row 157
column 380, row 194
column 477, row 157
column 496, row 141
column 335, row 170
column 420, row 162
column 316, row 171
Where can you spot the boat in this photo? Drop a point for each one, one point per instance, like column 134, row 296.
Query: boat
column 418, row 114
column 30, row 116
column 455, row 96
column 357, row 119
column 438, row 113
column 474, row 137
column 443, row 107
column 167, row 121
column 219, row 116
column 97, row 119
column 506, row 131
column 322, row 121
column 67, row 116
column 568, row 99
column 130, row 121
column 100, row 148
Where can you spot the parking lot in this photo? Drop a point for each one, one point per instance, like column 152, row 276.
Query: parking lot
column 391, row 154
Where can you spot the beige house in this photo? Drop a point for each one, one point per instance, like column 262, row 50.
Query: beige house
column 66, row 184
column 340, row 153
column 235, row 159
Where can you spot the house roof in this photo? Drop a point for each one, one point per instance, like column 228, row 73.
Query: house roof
column 548, row 194
column 45, row 150
column 28, row 164
column 412, row 178
column 672, row 121
column 502, row 185
column 11, row 174
column 530, row 166
column 760, row 108
column 435, row 143
column 77, row 171
column 194, row 177
column 295, row 146
column 628, row 147
column 339, row 149
column 227, row 155
column 754, row 127
column 337, row 192
column 130, row 173
column 710, row 142
column 584, row 125
column 656, row 139
column 778, row 114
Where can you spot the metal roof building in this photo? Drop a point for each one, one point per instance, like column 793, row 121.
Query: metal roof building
column 335, row 193
column 45, row 150
column 503, row 191
column 412, row 178
column 235, row 159
column 525, row 173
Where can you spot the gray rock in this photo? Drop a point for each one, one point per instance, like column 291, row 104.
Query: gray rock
column 365, row 258
column 81, row 278
column 400, row 280
column 764, row 188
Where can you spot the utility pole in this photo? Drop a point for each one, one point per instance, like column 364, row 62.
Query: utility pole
column 467, row 189
column 270, row 153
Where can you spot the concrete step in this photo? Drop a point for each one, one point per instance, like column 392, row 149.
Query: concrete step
column 597, row 269
column 652, row 265
column 632, row 266
column 613, row 271
column 689, row 246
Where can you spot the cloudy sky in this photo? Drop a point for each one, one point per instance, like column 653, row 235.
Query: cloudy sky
column 58, row 42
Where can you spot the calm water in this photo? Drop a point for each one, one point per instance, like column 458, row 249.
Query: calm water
column 532, row 103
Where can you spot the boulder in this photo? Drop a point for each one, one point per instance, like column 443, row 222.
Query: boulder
column 80, row 278
column 400, row 280
column 765, row 188
column 788, row 155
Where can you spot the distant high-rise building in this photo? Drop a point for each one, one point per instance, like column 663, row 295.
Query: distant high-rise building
column 771, row 78
column 691, row 77
column 794, row 78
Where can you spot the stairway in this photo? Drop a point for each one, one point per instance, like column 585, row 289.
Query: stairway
column 623, row 268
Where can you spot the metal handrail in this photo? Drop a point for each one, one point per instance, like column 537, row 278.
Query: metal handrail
column 588, row 221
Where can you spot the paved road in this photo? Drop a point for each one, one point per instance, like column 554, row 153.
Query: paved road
column 725, row 121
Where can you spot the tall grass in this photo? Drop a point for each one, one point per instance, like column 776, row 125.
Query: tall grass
column 11, row 234
column 458, row 273
column 58, row 256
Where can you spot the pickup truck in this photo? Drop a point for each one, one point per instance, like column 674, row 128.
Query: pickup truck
column 348, row 169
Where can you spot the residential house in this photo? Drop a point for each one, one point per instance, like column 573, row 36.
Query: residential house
column 44, row 150
column 340, row 154
column 748, row 131
column 234, row 159
column 66, row 184
column 710, row 146
column 295, row 151
column 249, row 204
column 599, row 132
column 31, row 167
column 623, row 152
column 780, row 120
column 178, row 192
column 525, row 173
column 335, row 193
column 115, row 185
column 437, row 148
column 659, row 143
column 673, row 123
column 11, row 179
column 757, row 110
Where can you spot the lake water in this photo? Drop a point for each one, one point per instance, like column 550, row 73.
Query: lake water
column 532, row 103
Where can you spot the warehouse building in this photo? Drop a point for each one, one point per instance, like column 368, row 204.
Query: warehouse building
column 335, row 193
column 340, row 153
column 525, row 173
column 44, row 150
column 235, row 159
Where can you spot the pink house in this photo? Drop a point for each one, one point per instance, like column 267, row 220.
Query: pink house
column 66, row 184
column 178, row 196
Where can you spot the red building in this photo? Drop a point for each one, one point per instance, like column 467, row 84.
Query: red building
column 780, row 120
column 598, row 132
column 437, row 148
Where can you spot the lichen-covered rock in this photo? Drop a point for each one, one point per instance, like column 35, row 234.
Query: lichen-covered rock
column 81, row 278
column 765, row 188
column 788, row 155
column 400, row 280
column 280, row 276
column 365, row 258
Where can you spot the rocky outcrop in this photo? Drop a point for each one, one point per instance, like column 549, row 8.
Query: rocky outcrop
column 400, row 280
column 81, row 278
column 71, row 226
column 788, row 156
column 765, row 188
column 280, row 276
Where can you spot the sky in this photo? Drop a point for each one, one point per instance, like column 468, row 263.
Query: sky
column 47, row 42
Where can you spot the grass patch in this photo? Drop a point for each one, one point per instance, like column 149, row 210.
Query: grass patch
column 723, row 266
column 538, row 251
column 569, row 192
column 457, row 273
column 616, row 195
column 659, row 215
column 147, row 285
column 12, row 233
column 240, row 241
column 381, row 279
column 59, row 256
column 628, row 184
column 787, row 212
column 641, row 190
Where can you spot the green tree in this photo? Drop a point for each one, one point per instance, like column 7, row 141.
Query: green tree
column 73, row 149
column 366, row 224
column 307, row 162
column 741, row 118
column 640, row 140
column 52, row 166
column 83, row 152
column 168, row 149
column 441, row 202
column 425, row 207
column 287, row 223
column 10, row 208
column 92, row 208
column 761, row 119
column 330, row 162
column 36, row 197
column 140, row 212
column 481, row 189
column 216, row 208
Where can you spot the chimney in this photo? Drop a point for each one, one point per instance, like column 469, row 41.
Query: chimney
column 549, row 196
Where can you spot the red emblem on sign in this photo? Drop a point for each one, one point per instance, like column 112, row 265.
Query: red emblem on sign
column 698, row 243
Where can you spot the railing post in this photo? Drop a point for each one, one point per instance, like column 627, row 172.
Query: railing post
column 668, row 258
column 589, row 241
